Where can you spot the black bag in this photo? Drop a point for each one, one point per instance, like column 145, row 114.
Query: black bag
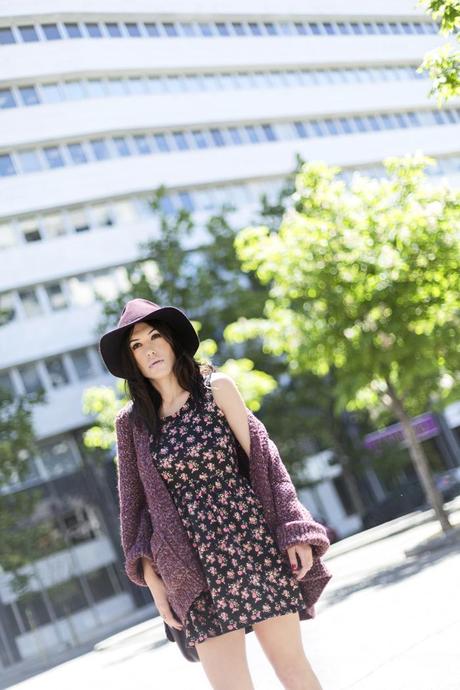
column 175, row 635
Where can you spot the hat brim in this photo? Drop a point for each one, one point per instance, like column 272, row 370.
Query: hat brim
column 111, row 343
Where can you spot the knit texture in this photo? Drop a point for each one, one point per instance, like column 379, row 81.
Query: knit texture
column 151, row 526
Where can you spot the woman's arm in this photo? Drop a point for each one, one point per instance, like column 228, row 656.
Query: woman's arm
column 135, row 523
column 228, row 398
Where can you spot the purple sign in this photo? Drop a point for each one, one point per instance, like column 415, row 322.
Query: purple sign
column 425, row 426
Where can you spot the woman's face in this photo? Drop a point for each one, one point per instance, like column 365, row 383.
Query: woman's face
column 153, row 354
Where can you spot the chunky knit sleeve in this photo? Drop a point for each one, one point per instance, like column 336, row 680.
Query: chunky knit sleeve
column 295, row 524
column 135, row 523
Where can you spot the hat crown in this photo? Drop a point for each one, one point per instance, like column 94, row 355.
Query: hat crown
column 136, row 309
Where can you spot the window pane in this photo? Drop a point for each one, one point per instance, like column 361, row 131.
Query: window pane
column 95, row 88
column 77, row 153
column 28, row 34
column 29, row 161
column 179, row 140
column 51, row 32
column 7, row 237
column 28, row 95
column 30, row 303
column 51, row 93
column 72, row 30
column 235, row 135
column 255, row 29
column 54, row 157
column 73, row 90
column 161, row 142
column 56, row 372
column 300, row 129
column 79, row 220
column 199, row 138
column 222, row 29
column 115, row 87
column 125, row 212
column 81, row 291
column 7, row 99
column 238, row 28
column 141, row 144
column 30, row 231
column 217, row 137
column 135, row 85
column 30, row 378
column 152, row 29
column 121, row 146
column 6, row 383
column 132, row 29
column 100, row 149
column 101, row 215
column 6, row 36
column 113, row 29
column 56, row 296
column 54, row 225
column 100, row 584
column 58, row 458
column 269, row 133
column 170, row 29
column 83, row 364
column 270, row 28
column 253, row 138
column 7, row 308
column 6, row 165
column 205, row 29
column 188, row 29
column 105, row 285
column 93, row 29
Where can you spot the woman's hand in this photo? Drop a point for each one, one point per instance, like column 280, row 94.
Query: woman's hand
column 305, row 554
column 158, row 593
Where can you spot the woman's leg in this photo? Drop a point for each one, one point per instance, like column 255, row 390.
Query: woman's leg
column 281, row 641
column 224, row 661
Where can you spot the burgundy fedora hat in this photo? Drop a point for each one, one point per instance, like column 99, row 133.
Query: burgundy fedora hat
column 140, row 309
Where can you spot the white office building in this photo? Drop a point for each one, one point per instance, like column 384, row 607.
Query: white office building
column 100, row 103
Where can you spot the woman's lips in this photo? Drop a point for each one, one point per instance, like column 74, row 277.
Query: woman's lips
column 153, row 363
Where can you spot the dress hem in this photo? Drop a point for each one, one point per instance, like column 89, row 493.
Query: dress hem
column 248, row 626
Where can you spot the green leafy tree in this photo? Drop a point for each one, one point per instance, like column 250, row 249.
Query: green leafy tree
column 21, row 539
column 364, row 281
column 443, row 64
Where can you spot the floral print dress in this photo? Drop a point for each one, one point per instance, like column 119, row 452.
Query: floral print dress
column 249, row 578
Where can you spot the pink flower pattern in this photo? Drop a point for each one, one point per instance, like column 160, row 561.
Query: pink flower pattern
column 249, row 579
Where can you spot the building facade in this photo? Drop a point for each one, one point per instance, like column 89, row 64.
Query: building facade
column 101, row 102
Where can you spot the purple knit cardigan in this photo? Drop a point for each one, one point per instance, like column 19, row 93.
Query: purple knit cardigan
column 151, row 526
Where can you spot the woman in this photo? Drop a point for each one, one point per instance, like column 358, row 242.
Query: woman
column 215, row 545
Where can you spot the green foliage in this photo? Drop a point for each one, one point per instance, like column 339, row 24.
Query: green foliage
column 364, row 280
column 20, row 541
column 443, row 64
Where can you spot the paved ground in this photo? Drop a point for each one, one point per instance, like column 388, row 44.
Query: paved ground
column 386, row 620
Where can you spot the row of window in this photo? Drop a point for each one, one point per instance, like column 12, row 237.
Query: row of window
column 79, row 89
column 55, row 458
column 54, row 31
column 104, row 148
column 84, row 290
column 76, row 291
column 49, row 226
column 44, row 607
column 53, row 372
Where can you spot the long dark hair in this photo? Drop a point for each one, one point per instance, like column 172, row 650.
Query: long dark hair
column 146, row 399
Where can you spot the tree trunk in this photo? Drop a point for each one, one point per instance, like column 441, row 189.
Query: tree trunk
column 419, row 459
column 352, row 486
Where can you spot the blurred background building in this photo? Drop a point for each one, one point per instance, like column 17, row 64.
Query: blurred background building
column 100, row 103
